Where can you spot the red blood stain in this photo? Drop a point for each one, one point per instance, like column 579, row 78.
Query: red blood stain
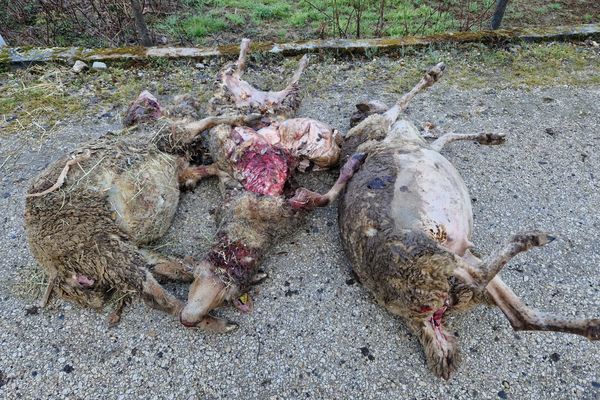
column 425, row 309
column 264, row 169
column 234, row 257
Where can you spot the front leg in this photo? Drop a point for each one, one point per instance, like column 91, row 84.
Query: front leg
column 305, row 199
column 482, row 138
column 168, row 267
column 193, row 129
column 189, row 176
column 481, row 273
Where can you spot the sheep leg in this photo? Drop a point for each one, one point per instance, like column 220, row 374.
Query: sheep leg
column 189, row 177
column 293, row 82
column 519, row 243
column 482, row 138
column 171, row 268
column 241, row 62
column 432, row 76
column 174, row 270
column 115, row 316
column 193, row 129
column 155, row 296
column 52, row 276
column 307, row 200
column 523, row 318
column 241, row 66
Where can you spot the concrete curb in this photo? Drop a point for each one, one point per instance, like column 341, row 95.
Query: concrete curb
column 15, row 55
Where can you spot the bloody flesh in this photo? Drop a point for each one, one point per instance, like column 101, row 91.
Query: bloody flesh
column 264, row 169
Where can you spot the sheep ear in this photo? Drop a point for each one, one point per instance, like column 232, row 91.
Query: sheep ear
column 372, row 107
column 363, row 106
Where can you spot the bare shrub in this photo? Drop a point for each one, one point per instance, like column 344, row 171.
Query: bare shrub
column 80, row 22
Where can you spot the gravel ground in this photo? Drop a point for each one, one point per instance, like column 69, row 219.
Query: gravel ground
column 314, row 332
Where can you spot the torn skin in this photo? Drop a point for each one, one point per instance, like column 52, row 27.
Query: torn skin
column 233, row 260
column 143, row 109
column 264, row 169
column 436, row 323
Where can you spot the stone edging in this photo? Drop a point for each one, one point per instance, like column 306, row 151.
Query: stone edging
column 13, row 55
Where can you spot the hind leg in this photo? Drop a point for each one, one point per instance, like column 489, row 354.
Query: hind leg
column 432, row 76
column 523, row 318
column 440, row 346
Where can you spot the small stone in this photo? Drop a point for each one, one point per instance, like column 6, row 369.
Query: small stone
column 32, row 310
column 79, row 66
column 99, row 65
column 554, row 357
column 200, row 66
column 502, row 394
column 68, row 369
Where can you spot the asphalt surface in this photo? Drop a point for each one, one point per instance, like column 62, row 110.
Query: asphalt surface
column 314, row 331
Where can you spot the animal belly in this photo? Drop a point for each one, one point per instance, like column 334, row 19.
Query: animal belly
column 144, row 199
column 431, row 196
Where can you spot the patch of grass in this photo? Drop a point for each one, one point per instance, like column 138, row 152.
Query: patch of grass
column 277, row 10
column 170, row 25
column 235, row 19
column 31, row 284
column 555, row 6
column 200, row 26
column 477, row 66
column 34, row 102
column 424, row 20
